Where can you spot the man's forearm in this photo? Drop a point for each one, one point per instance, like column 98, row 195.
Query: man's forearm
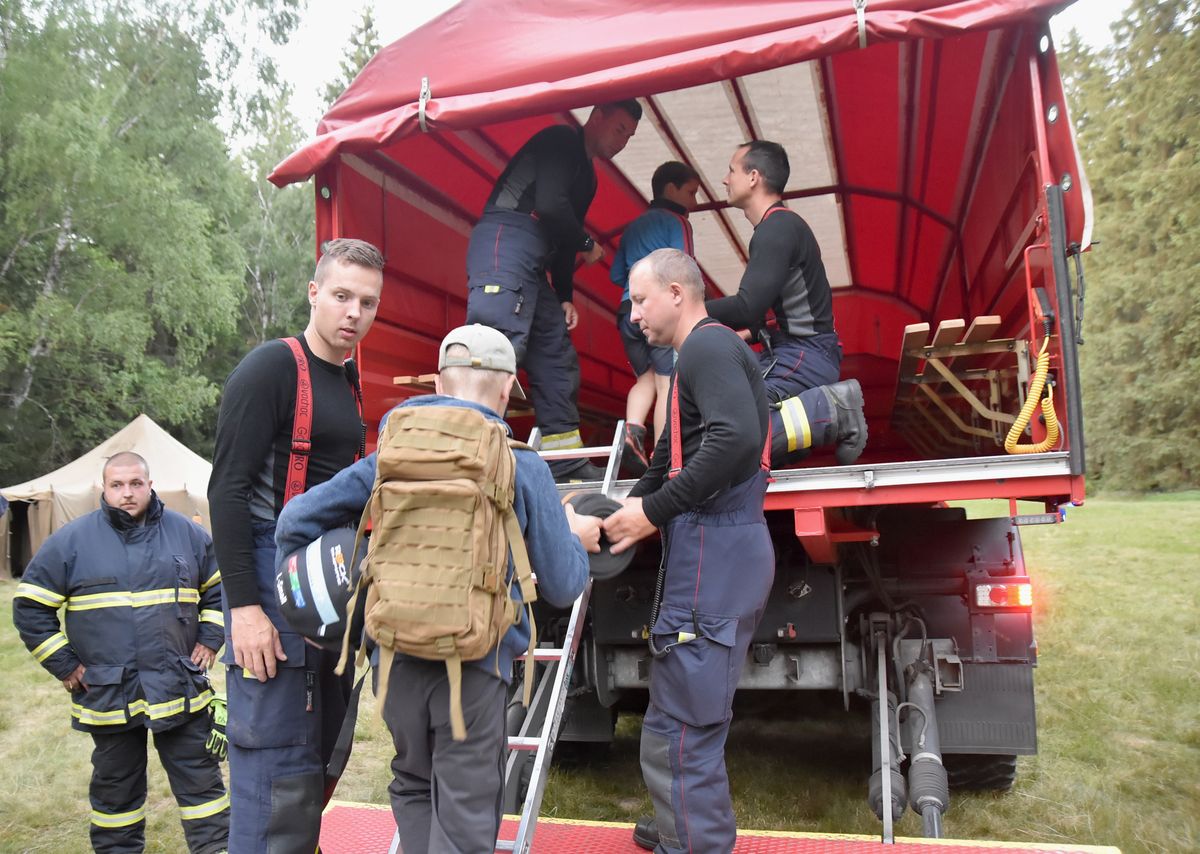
column 240, row 587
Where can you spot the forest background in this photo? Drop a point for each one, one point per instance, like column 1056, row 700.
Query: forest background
column 142, row 254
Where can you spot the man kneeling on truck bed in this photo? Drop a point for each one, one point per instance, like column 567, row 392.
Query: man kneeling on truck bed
column 478, row 372
column 704, row 491
column 801, row 358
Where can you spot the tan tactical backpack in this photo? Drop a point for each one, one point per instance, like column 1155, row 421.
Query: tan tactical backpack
column 436, row 573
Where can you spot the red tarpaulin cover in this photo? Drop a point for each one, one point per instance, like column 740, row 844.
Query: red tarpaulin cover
column 494, row 60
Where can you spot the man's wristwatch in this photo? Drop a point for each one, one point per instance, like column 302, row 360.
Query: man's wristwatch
column 588, row 243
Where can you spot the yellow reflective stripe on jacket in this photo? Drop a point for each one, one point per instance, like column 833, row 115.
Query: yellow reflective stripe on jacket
column 26, row 590
column 49, row 646
column 204, row 810
column 95, row 718
column 157, row 711
column 214, row 579
column 197, row 703
column 211, row 616
column 140, row 599
column 120, row 819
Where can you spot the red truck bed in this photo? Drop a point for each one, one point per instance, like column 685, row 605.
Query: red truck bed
column 921, row 162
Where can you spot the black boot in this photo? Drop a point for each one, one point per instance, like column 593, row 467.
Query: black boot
column 633, row 455
column 822, row 417
column 585, row 473
column 645, row 834
column 846, row 405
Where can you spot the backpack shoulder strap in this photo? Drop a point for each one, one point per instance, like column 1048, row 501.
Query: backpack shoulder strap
column 297, row 475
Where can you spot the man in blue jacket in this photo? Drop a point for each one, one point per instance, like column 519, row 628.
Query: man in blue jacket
column 478, row 370
column 143, row 622
column 664, row 226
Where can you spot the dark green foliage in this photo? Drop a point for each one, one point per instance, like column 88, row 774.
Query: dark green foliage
column 1136, row 105
column 139, row 259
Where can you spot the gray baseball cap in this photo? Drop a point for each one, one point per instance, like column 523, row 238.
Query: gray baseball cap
column 487, row 348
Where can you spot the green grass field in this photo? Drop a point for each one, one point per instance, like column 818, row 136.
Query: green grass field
column 1118, row 705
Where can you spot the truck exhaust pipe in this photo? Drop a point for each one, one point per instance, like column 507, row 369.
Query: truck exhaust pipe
column 928, row 788
column 875, row 789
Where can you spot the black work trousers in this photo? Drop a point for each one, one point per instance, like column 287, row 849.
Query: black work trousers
column 118, row 788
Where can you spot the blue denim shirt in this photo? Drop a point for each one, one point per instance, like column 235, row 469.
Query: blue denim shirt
column 557, row 556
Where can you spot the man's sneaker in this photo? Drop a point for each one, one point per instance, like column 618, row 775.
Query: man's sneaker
column 645, row 834
column 633, row 455
column 586, row 473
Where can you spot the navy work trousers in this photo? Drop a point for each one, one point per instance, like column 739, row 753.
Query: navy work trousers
column 507, row 290
column 719, row 569
column 118, row 788
column 794, row 369
column 281, row 732
column 794, row 365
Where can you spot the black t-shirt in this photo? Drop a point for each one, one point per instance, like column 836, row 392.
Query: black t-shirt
column 723, row 424
column 253, row 446
column 785, row 274
column 552, row 177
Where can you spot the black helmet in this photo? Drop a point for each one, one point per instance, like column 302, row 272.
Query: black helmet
column 314, row 585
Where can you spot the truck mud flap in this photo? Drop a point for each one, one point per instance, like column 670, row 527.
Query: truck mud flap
column 994, row 713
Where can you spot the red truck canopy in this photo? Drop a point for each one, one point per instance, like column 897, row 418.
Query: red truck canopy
column 918, row 161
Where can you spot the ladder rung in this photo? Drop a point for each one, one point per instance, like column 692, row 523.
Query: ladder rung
column 517, row 743
column 506, row 844
column 547, row 654
column 575, row 453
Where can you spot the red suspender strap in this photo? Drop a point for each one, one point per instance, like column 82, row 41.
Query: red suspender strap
column 775, row 209
column 677, row 432
column 297, row 474
column 686, row 226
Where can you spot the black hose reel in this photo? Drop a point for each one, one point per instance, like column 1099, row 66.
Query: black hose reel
column 603, row 565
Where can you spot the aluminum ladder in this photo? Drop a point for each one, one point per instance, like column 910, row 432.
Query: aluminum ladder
column 545, row 712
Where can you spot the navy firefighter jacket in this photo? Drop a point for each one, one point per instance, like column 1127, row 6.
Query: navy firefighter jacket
column 137, row 598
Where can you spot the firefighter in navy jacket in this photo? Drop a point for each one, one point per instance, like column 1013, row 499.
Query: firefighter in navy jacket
column 142, row 596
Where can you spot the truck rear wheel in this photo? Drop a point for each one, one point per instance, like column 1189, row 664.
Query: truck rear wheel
column 981, row 771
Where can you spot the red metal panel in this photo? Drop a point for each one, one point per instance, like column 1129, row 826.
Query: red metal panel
column 1061, row 488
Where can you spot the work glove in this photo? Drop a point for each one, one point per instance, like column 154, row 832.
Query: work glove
column 218, row 744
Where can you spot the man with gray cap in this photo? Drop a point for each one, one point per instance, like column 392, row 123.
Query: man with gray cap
column 477, row 369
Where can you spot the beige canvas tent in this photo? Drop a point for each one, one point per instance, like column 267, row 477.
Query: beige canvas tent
column 179, row 474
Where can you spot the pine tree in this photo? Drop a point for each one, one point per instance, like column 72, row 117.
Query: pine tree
column 364, row 44
column 1137, row 109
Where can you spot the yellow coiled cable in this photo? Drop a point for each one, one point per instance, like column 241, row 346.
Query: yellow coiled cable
column 1035, row 393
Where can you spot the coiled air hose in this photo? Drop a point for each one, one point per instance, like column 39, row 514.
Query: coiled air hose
column 1035, row 392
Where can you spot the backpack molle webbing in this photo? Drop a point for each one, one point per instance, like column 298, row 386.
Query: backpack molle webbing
column 442, row 518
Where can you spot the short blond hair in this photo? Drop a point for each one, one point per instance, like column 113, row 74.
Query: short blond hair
column 347, row 250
